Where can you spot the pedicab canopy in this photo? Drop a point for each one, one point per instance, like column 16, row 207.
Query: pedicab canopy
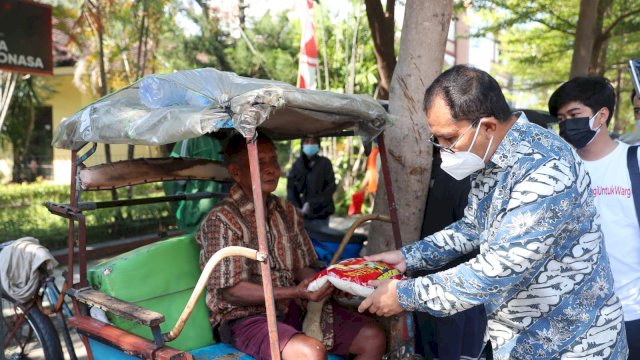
column 162, row 109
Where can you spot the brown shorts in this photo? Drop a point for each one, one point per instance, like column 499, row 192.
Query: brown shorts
column 251, row 335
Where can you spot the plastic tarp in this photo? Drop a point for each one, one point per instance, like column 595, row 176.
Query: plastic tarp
column 162, row 109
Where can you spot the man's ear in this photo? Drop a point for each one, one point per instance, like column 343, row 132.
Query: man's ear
column 234, row 171
column 490, row 125
column 604, row 115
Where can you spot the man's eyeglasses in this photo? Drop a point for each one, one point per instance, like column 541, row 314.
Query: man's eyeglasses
column 449, row 149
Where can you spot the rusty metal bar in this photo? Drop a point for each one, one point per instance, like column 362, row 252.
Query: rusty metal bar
column 393, row 210
column 73, row 200
column 127, row 342
column 82, row 250
column 93, row 205
column 265, row 268
column 20, row 319
column 406, row 335
column 63, row 210
column 157, row 335
column 352, row 228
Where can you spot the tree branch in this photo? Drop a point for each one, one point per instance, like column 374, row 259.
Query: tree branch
column 607, row 32
column 381, row 24
column 552, row 27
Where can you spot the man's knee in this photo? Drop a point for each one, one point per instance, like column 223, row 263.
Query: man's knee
column 304, row 347
column 370, row 339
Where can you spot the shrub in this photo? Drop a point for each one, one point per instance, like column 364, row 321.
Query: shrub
column 22, row 213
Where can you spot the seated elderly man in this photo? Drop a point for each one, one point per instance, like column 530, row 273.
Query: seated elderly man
column 234, row 292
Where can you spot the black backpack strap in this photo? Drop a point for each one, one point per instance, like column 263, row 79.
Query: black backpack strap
column 634, row 175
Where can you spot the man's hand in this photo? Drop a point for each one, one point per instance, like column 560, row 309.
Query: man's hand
column 326, row 290
column 393, row 258
column 384, row 299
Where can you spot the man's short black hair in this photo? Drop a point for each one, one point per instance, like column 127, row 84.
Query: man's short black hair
column 236, row 146
column 595, row 92
column 470, row 94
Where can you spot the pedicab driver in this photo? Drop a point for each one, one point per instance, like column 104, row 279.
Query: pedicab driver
column 543, row 273
column 234, row 291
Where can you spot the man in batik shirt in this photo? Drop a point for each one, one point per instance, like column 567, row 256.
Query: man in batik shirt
column 234, row 292
column 543, row 273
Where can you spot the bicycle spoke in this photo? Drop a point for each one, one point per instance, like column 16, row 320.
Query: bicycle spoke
column 20, row 340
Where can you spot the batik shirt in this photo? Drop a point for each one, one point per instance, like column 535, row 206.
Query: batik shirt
column 233, row 223
column 543, row 273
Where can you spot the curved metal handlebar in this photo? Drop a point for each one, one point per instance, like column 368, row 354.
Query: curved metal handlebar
column 350, row 231
column 202, row 281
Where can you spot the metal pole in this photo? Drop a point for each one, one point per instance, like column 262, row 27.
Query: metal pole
column 82, row 266
column 73, row 202
column 405, row 327
column 393, row 210
column 256, row 189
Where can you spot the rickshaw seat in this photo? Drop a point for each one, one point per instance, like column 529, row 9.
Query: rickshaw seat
column 159, row 277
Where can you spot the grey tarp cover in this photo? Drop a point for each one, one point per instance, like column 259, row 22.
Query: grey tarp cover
column 19, row 267
column 162, row 109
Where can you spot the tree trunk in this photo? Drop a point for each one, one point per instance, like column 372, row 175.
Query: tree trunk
column 16, row 172
column 601, row 41
column 241, row 13
column 351, row 79
column 21, row 145
column 597, row 67
column 104, row 90
column 585, row 37
column 422, row 47
column 618, row 123
column 324, row 49
column 141, row 63
column 8, row 82
column 382, row 25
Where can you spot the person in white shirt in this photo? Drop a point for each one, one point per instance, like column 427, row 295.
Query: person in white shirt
column 633, row 138
column 584, row 106
column 635, row 101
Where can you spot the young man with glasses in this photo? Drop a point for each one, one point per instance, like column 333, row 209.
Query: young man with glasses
column 542, row 273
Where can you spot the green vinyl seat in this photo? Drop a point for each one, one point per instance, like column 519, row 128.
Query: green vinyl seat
column 159, row 277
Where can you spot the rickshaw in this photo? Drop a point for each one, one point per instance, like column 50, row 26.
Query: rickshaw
column 153, row 295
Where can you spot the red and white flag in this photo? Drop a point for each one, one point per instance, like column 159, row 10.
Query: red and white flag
column 308, row 49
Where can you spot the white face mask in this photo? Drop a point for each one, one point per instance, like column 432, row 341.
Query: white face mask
column 464, row 163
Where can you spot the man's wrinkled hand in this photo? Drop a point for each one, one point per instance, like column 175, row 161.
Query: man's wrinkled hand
column 384, row 299
column 326, row 290
column 393, row 258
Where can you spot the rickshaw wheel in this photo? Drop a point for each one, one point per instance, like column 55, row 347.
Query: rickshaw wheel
column 35, row 338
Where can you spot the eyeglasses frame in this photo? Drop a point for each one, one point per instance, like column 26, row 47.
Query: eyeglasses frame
column 449, row 149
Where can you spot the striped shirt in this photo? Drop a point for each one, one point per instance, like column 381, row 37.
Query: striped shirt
column 543, row 273
column 232, row 223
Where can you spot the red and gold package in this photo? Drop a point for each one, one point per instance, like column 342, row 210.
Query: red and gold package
column 354, row 275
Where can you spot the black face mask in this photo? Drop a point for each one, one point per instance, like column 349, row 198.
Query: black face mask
column 577, row 131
